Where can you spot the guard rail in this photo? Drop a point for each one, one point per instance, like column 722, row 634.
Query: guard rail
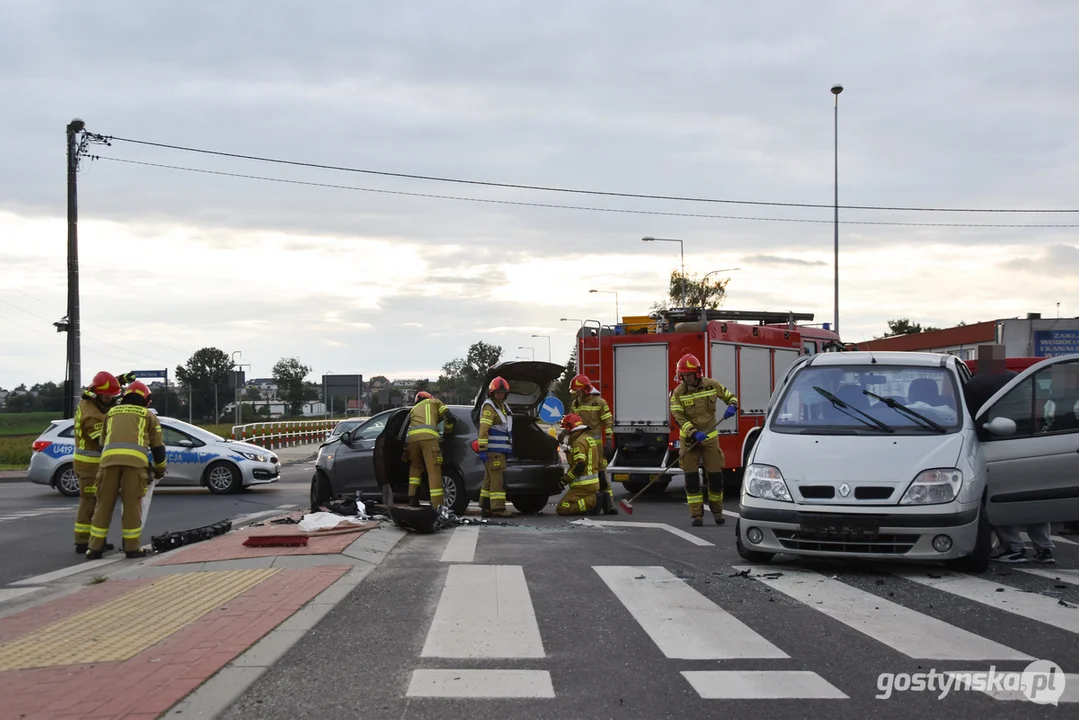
column 284, row 433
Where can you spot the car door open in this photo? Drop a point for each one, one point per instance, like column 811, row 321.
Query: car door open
column 1029, row 437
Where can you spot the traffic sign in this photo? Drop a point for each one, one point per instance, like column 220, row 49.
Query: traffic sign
column 551, row 410
column 150, row 373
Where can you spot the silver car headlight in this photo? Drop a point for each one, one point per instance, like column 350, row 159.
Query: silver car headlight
column 934, row 487
column 254, row 456
column 765, row 482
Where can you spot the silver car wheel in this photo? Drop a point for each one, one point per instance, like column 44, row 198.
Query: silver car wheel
column 449, row 491
column 220, row 478
column 70, row 481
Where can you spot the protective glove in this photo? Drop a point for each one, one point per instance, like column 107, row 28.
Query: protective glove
column 159, row 473
column 127, row 378
column 731, row 410
column 483, row 456
column 699, row 437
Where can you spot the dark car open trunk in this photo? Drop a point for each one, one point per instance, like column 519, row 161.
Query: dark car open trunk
column 530, row 444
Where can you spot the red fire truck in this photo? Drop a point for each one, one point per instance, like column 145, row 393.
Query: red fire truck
column 633, row 367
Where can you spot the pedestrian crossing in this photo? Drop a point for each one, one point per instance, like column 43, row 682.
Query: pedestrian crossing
column 488, row 638
column 6, row 516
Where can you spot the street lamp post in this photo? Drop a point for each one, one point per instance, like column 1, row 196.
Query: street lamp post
column 835, row 91
column 703, row 279
column 572, row 320
column 682, row 250
column 236, row 385
column 617, row 316
column 548, row 345
column 525, row 347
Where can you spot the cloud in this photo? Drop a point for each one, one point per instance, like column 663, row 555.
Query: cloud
column 779, row 260
column 1052, row 263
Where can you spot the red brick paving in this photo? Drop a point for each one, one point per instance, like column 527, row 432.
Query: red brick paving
column 231, row 546
column 150, row 683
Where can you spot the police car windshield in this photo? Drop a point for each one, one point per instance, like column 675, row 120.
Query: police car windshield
column 928, row 391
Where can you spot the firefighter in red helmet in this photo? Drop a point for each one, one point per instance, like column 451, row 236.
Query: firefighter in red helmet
column 132, row 433
column 424, row 446
column 100, row 395
column 495, row 442
column 693, row 405
column 589, row 405
column 582, row 478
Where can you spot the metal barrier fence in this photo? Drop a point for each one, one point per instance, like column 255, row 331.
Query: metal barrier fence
column 285, row 433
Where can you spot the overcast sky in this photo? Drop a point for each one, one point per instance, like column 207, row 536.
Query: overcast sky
column 947, row 105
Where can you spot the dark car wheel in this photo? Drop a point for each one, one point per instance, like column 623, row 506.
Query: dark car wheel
column 978, row 561
column 529, row 504
column 66, row 481
column 454, row 494
column 321, row 492
column 223, row 477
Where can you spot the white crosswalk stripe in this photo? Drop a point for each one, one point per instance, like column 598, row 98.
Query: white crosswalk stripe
column 486, row 613
column 24, row 514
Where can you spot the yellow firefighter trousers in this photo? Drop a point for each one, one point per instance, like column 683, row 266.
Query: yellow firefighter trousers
column 85, row 512
column 579, row 499
column 713, row 459
column 493, row 492
column 129, row 484
column 604, row 480
column 425, row 453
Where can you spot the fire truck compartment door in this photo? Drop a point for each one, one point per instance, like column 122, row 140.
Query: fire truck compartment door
column 725, row 372
column 641, row 376
column 754, row 379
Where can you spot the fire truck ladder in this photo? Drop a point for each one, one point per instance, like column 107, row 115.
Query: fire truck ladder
column 590, row 361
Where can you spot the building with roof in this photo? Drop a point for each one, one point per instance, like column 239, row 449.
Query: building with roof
column 1031, row 336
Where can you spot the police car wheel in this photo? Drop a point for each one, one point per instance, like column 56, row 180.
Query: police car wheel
column 223, row 477
column 66, row 481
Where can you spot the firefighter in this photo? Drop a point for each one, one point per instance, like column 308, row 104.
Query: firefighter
column 693, row 405
column 590, row 406
column 424, row 446
column 131, row 433
column 585, row 453
column 494, row 444
column 99, row 396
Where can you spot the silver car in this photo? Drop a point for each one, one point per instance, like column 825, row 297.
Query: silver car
column 877, row 455
column 195, row 457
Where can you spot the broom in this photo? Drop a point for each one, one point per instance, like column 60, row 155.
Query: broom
column 627, row 505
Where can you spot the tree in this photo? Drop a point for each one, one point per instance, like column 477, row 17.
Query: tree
column 207, row 375
column 708, row 292
column 379, row 381
column 562, row 387
column 289, row 373
column 903, row 326
column 461, row 377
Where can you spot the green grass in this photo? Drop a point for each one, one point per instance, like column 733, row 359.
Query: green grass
column 15, row 450
column 26, row 423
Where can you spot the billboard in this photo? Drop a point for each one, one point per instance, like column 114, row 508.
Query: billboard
column 339, row 389
column 1052, row 343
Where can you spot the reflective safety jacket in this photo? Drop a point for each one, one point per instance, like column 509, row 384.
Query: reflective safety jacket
column 585, row 458
column 596, row 414
column 695, row 410
column 496, row 428
column 132, row 432
column 425, row 416
column 89, row 426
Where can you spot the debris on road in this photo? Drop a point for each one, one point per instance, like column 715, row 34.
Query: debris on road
column 173, row 540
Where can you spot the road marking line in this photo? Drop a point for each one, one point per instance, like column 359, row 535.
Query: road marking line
column 62, row 573
column 286, row 507
column 12, row 593
column 462, row 545
column 254, row 515
column 963, row 681
column 485, row 611
column 731, row 513
column 761, row 685
column 684, row 624
column 904, row 630
column 589, row 522
column 481, row 684
column 1066, row 576
column 1037, row 608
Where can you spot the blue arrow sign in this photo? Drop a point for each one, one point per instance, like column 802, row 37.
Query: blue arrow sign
column 551, row 410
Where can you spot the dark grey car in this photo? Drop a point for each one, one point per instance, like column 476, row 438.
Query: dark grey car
column 374, row 467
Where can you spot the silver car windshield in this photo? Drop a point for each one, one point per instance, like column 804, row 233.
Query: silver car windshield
column 870, row 399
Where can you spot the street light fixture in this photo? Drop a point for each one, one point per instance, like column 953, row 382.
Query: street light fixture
column 710, row 272
column 572, row 320
column 526, row 347
column 682, row 249
column 836, row 89
column 548, row 345
column 617, row 316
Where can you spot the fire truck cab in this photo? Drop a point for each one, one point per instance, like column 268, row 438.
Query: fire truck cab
column 633, row 368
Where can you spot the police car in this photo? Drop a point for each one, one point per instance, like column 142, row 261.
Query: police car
column 195, row 458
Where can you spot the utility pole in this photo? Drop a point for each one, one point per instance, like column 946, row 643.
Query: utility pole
column 77, row 140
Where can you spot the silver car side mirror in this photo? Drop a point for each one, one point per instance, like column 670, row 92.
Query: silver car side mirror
column 1001, row 426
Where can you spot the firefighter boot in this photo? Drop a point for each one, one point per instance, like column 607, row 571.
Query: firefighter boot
column 135, row 554
column 715, row 497
column 81, row 548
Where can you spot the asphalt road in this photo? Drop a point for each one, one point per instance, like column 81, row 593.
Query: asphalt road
column 601, row 622
column 37, row 522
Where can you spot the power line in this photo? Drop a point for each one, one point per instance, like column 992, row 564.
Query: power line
column 566, row 207
column 544, row 188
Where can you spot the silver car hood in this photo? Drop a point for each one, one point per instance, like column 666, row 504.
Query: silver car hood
column 856, row 458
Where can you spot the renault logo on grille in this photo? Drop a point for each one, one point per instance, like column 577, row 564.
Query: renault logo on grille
column 844, row 489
